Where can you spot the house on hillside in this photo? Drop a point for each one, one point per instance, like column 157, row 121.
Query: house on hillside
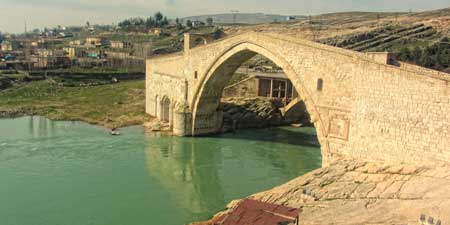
column 142, row 50
column 155, row 31
column 261, row 84
column 9, row 45
column 76, row 42
column 119, row 44
column 289, row 18
column 198, row 23
column 70, row 52
column 43, row 52
column 49, row 42
column 47, row 58
column 93, row 53
column 34, row 44
column 96, row 41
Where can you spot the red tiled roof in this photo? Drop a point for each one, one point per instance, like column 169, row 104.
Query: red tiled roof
column 252, row 212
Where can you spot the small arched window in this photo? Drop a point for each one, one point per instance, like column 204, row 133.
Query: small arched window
column 319, row 84
column 195, row 75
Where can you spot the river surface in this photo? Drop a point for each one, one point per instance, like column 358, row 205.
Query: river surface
column 72, row 173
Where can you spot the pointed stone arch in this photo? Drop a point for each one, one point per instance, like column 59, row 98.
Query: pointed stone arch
column 206, row 112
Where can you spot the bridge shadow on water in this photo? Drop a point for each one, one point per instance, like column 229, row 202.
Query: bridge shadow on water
column 304, row 136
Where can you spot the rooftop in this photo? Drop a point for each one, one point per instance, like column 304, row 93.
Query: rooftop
column 260, row 213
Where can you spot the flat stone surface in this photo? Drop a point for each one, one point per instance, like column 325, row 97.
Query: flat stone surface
column 349, row 192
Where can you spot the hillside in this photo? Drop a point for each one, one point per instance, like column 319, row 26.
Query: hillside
column 241, row 18
column 419, row 38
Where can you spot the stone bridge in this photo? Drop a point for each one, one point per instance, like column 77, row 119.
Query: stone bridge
column 363, row 105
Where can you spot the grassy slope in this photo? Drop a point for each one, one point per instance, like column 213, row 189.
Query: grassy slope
column 112, row 105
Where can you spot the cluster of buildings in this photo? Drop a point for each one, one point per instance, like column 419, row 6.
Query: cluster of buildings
column 28, row 53
column 81, row 46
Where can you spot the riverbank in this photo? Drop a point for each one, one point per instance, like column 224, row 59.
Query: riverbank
column 258, row 112
column 123, row 104
column 352, row 192
column 112, row 105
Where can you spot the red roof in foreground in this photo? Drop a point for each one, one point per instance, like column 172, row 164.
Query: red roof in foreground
column 252, row 212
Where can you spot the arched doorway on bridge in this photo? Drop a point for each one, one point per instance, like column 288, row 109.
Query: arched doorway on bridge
column 210, row 112
column 165, row 110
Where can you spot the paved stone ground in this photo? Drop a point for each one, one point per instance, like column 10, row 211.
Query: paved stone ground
column 350, row 192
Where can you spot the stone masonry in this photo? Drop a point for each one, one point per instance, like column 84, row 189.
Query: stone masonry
column 361, row 105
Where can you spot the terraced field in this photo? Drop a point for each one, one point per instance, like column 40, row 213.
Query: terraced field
column 420, row 38
column 389, row 38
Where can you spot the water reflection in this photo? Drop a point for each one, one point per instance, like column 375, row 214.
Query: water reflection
column 200, row 173
column 63, row 171
column 31, row 126
column 190, row 174
column 285, row 135
column 40, row 126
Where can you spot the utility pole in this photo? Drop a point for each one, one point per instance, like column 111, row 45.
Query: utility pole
column 28, row 54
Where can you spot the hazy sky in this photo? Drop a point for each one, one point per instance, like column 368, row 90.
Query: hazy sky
column 49, row 13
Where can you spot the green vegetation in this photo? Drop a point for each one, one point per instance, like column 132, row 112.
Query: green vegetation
column 436, row 56
column 418, row 44
column 141, row 24
column 113, row 105
column 97, row 70
column 12, row 74
column 237, row 77
column 126, row 37
column 385, row 38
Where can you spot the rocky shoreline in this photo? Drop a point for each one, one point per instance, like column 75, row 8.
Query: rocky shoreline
column 246, row 113
column 242, row 113
column 13, row 113
column 356, row 192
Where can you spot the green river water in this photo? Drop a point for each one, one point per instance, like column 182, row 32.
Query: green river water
column 72, row 173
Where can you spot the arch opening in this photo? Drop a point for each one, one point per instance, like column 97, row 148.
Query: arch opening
column 165, row 110
column 208, row 110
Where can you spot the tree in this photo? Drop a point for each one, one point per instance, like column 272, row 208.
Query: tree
column 158, row 17
column 88, row 24
column 417, row 54
column 444, row 58
column 150, row 22
column 189, row 23
column 165, row 21
column 125, row 24
column 209, row 21
column 404, row 54
column 179, row 25
column 443, row 53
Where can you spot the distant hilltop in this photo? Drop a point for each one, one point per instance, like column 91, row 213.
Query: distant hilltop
column 244, row 18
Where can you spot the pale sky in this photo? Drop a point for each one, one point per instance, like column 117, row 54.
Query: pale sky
column 49, row 13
